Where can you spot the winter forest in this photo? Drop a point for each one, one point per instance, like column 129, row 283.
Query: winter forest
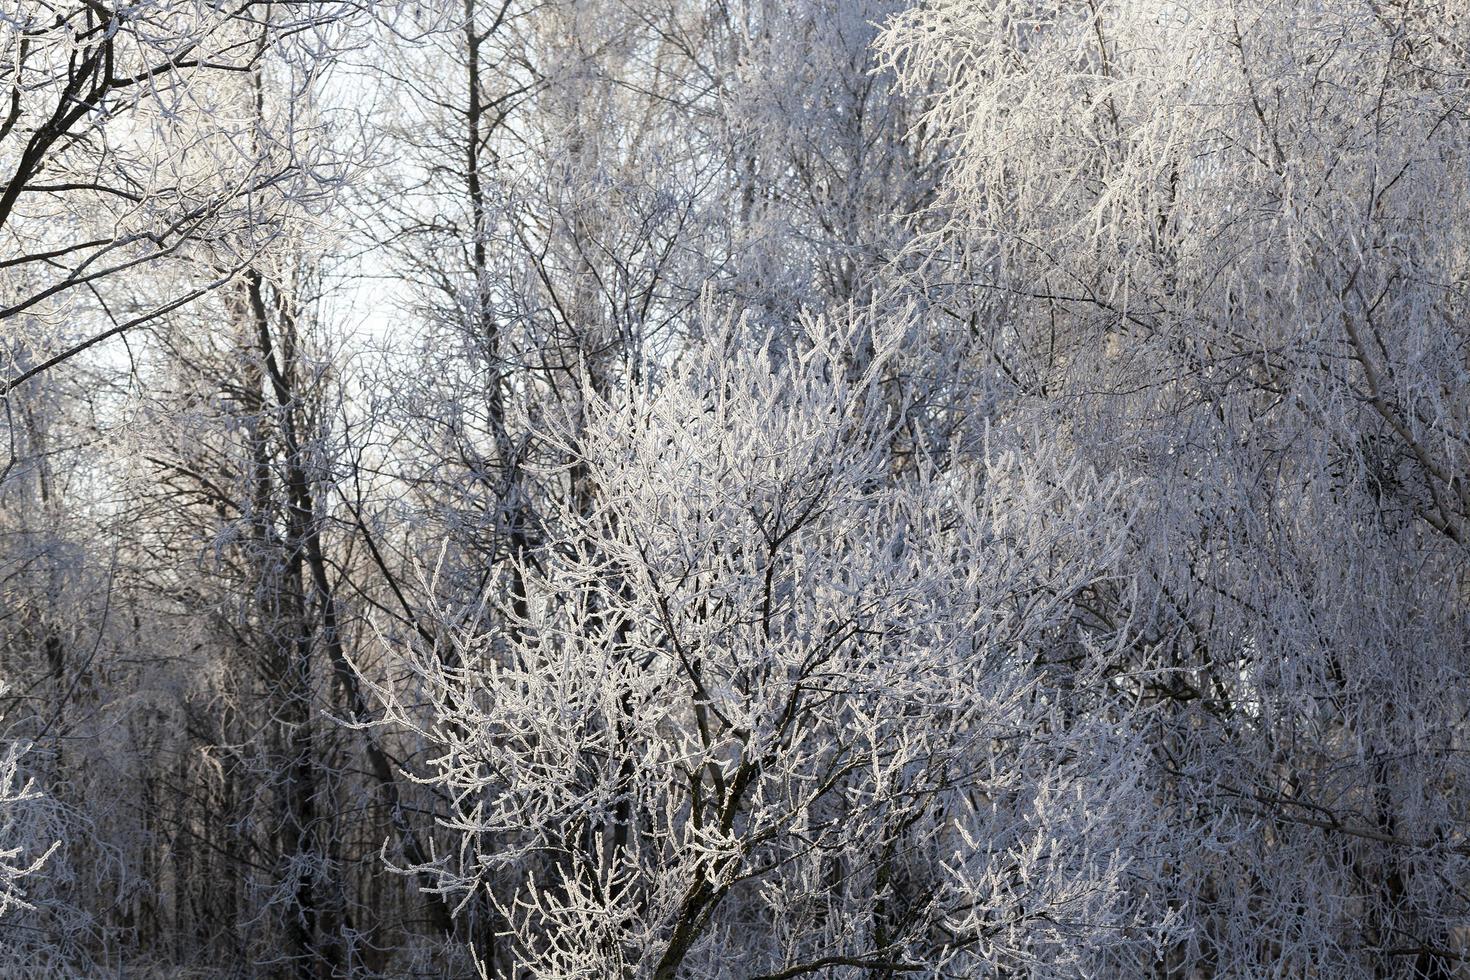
column 734, row 489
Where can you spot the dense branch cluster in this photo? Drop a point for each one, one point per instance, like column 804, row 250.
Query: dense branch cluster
column 730, row 489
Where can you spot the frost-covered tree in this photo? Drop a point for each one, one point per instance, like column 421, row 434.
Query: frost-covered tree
column 18, row 860
column 1217, row 249
column 775, row 708
column 128, row 147
column 30, row 910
